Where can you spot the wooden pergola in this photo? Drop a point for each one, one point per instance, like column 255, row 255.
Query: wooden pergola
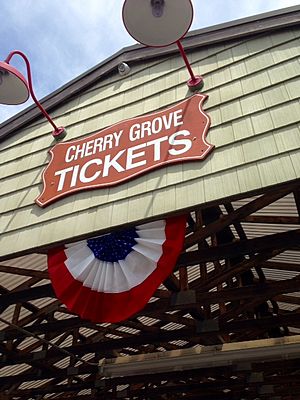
column 224, row 325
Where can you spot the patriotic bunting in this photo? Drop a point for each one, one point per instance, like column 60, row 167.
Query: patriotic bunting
column 111, row 277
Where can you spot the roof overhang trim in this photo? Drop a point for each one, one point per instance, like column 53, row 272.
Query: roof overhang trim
column 233, row 30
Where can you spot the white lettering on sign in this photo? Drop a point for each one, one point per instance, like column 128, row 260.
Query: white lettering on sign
column 62, row 175
column 186, row 143
column 92, row 147
column 148, row 128
column 112, row 163
column 156, row 144
column 85, row 179
column 134, row 157
column 131, row 156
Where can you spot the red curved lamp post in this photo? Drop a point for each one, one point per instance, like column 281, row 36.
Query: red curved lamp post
column 14, row 89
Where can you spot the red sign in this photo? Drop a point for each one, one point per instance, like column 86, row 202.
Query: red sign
column 127, row 149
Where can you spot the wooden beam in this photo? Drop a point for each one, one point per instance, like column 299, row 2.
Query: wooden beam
column 183, row 279
column 203, row 269
column 104, row 346
column 238, row 227
column 245, row 306
column 67, row 388
column 175, row 385
column 282, row 240
column 236, row 215
column 220, row 374
column 161, row 293
column 39, row 315
column 24, row 271
column 153, row 378
column 230, row 271
column 204, row 395
column 184, row 334
column 270, row 290
column 271, row 219
column 172, row 283
column 28, row 283
column 102, row 331
column 265, row 290
column 242, row 235
column 295, row 300
column 22, row 296
column 297, row 199
column 57, row 327
column 281, row 265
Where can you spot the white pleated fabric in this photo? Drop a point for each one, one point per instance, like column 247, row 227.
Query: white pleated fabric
column 123, row 275
column 111, row 277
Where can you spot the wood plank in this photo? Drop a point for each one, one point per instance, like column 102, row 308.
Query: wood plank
column 288, row 299
column 21, row 296
column 57, row 327
column 207, row 372
column 105, row 346
column 204, row 390
column 238, row 227
column 297, row 200
column 267, row 290
column 203, row 297
column 239, row 213
column 240, row 231
column 39, row 314
column 281, row 265
column 271, row 219
column 5, row 292
column 172, row 283
column 24, row 271
column 284, row 240
column 89, row 368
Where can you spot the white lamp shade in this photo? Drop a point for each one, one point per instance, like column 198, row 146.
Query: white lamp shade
column 13, row 85
column 154, row 31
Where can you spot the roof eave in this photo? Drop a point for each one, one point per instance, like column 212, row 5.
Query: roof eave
column 253, row 25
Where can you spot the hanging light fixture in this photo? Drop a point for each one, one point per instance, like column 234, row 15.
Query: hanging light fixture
column 14, row 89
column 160, row 23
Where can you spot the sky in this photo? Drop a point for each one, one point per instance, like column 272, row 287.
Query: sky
column 64, row 38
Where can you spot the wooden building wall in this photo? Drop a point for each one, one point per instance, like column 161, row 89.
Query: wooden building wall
column 253, row 86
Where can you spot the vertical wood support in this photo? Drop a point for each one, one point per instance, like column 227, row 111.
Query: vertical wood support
column 203, row 266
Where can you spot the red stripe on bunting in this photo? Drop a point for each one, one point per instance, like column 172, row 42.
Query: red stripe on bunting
column 115, row 307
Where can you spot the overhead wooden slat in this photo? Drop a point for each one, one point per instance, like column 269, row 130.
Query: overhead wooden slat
column 23, row 271
column 268, row 219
